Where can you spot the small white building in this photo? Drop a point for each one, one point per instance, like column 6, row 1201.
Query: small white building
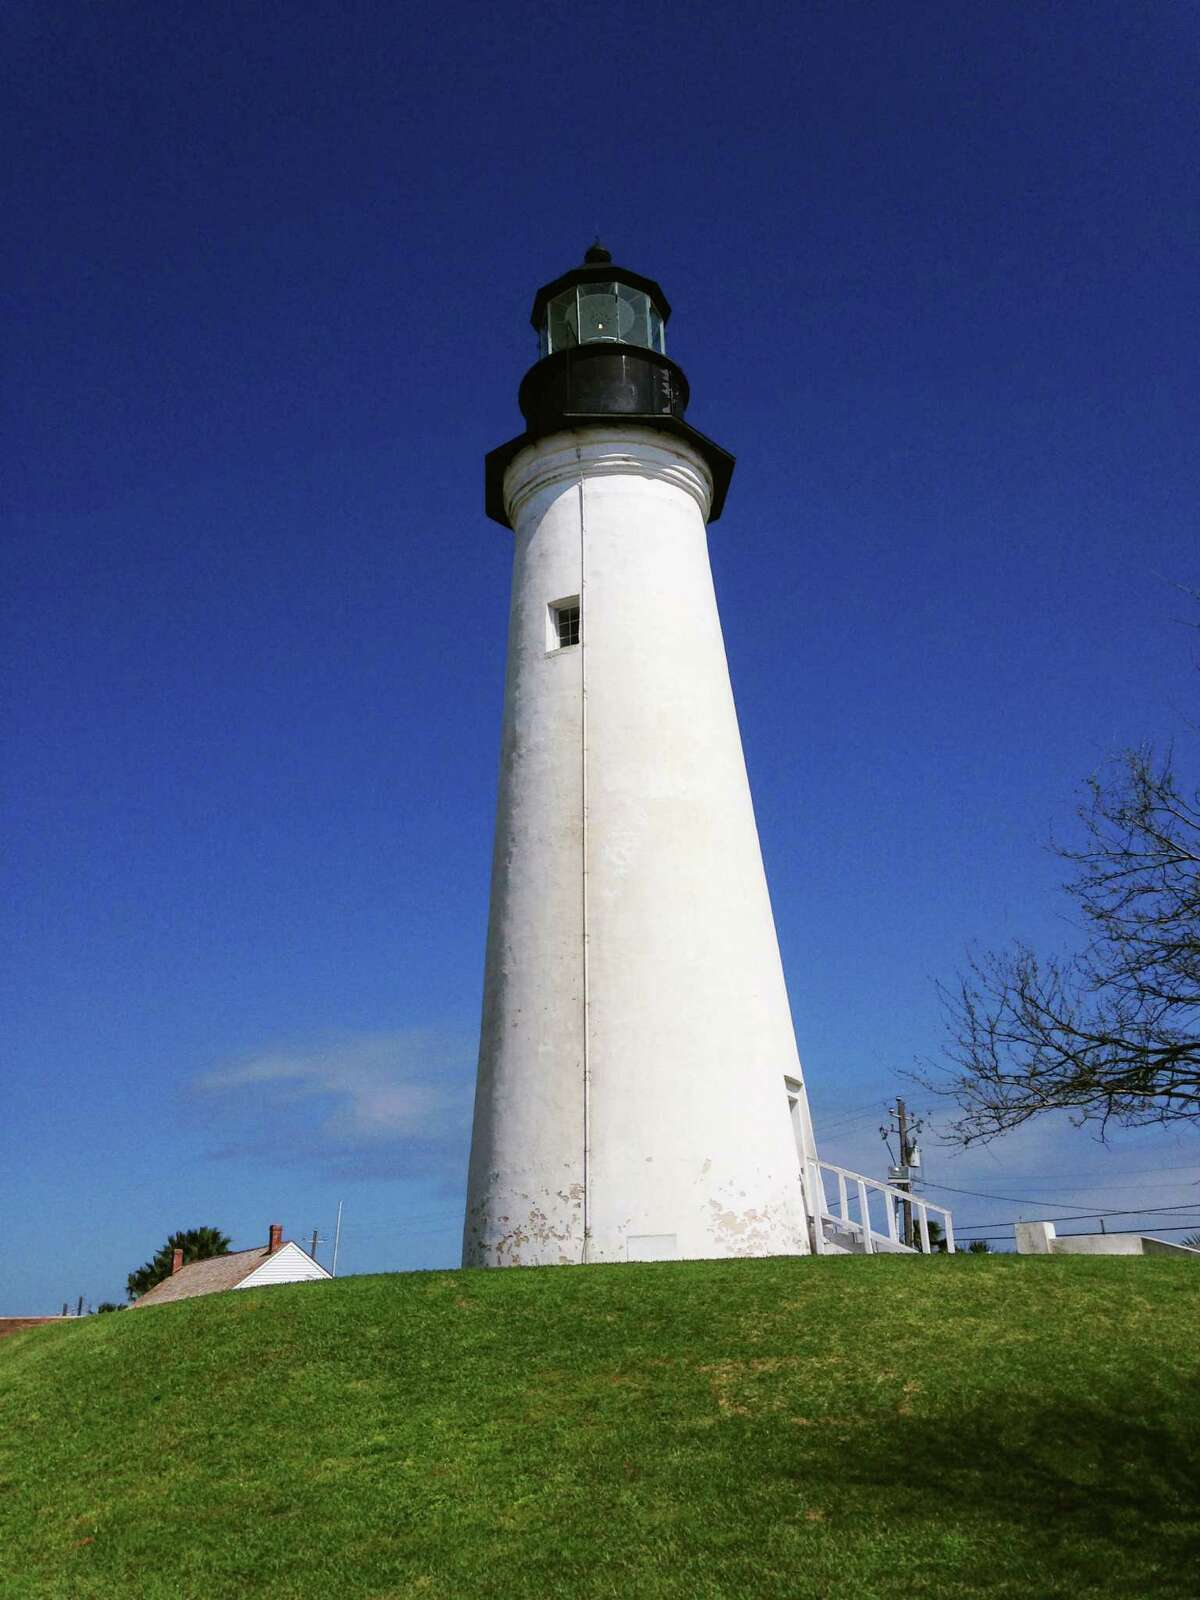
column 280, row 1261
column 1040, row 1239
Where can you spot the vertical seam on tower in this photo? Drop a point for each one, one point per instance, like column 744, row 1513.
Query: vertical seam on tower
column 583, row 777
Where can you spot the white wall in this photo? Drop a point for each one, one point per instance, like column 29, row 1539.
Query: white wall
column 685, row 1026
column 1040, row 1238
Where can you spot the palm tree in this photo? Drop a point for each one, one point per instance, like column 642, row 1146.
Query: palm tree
column 937, row 1236
column 197, row 1244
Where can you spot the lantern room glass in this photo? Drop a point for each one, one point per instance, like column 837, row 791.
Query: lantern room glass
column 601, row 313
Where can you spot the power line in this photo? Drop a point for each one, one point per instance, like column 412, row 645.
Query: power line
column 389, row 1227
column 1092, row 1188
column 402, row 1233
column 1029, row 1200
column 409, row 1225
column 1119, row 1188
column 834, row 1119
column 1052, row 1178
column 1078, row 1216
column 845, row 1111
column 845, row 1124
column 978, row 1194
column 386, row 1231
column 1098, row 1188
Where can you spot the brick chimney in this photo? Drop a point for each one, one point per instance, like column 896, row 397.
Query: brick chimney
column 275, row 1242
column 176, row 1262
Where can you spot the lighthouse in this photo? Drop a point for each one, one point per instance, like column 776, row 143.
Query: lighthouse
column 639, row 1095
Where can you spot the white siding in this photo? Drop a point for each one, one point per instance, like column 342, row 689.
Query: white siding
column 288, row 1265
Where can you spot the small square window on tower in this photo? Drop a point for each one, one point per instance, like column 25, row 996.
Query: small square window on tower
column 562, row 623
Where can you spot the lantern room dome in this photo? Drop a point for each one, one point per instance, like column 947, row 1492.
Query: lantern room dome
column 600, row 303
column 602, row 362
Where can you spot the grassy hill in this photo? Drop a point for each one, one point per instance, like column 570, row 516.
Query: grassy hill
column 842, row 1428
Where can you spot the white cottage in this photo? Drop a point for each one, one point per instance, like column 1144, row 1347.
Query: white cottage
column 281, row 1261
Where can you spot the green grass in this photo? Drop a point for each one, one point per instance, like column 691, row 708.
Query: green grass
column 844, row 1428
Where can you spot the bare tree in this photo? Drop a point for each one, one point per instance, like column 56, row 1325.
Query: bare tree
column 1114, row 1032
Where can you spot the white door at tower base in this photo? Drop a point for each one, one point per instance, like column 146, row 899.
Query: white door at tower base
column 652, row 1247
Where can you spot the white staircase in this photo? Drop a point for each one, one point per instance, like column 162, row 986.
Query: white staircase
column 849, row 1214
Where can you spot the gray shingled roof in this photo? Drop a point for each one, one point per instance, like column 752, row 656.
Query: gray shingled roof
column 206, row 1277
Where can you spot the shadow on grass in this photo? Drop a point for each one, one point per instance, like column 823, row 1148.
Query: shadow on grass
column 1097, row 1494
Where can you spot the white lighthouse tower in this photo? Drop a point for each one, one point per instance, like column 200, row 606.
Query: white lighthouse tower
column 639, row 1094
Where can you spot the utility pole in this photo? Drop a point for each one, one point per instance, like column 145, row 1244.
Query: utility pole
column 337, row 1236
column 901, row 1175
column 902, row 1130
column 316, row 1236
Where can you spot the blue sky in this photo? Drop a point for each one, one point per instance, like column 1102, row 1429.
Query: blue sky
column 935, row 283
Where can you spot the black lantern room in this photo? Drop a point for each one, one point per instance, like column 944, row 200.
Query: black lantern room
column 602, row 356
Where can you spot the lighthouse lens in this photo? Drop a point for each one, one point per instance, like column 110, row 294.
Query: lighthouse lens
column 600, row 313
column 599, row 317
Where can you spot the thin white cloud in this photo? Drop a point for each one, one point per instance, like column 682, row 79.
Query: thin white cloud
column 359, row 1100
